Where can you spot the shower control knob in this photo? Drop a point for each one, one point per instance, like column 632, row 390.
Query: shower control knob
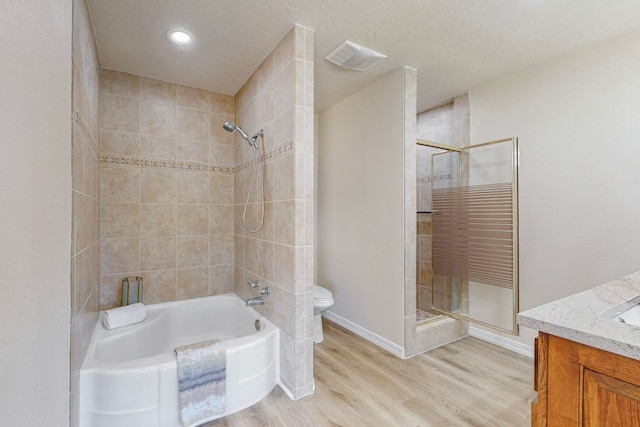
column 254, row 284
column 265, row 291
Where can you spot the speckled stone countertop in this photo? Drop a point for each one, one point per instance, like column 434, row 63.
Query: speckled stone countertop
column 581, row 317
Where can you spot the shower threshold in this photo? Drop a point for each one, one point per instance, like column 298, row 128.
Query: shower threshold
column 424, row 317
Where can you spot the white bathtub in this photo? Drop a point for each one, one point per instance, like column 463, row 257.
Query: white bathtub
column 129, row 375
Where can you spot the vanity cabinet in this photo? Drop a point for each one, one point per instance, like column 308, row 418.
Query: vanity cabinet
column 579, row 385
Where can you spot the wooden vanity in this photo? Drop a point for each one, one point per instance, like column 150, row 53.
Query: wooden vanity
column 587, row 365
column 579, row 385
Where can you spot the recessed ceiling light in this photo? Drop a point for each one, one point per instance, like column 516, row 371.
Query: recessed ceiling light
column 179, row 37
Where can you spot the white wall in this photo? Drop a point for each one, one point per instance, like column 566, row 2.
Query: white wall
column 35, row 213
column 579, row 132
column 360, row 207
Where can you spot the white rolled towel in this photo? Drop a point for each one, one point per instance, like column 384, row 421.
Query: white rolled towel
column 123, row 316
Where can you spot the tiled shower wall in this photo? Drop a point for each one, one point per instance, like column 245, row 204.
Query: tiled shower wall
column 279, row 98
column 85, row 244
column 166, row 189
column 448, row 124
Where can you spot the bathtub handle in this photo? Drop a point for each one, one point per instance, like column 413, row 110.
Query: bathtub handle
column 265, row 291
column 254, row 284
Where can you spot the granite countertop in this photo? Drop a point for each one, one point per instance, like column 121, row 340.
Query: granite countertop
column 579, row 317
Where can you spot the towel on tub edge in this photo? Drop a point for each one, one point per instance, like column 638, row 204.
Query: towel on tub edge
column 123, row 316
column 202, row 374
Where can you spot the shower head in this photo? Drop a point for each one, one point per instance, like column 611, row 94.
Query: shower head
column 230, row 127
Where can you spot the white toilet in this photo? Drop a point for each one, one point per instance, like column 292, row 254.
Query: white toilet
column 322, row 299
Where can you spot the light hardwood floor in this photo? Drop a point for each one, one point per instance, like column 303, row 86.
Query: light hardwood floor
column 466, row 383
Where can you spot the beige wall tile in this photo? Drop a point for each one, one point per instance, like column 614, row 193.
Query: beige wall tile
column 251, row 254
column 77, row 146
column 221, row 219
column 284, row 127
column 284, row 222
column 119, row 255
column 283, row 174
column 157, row 148
column 91, row 172
column 284, row 259
column 193, row 125
column 158, row 119
column 284, row 88
column 83, row 280
column 193, row 187
column 157, row 91
column 220, row 279
column 119, row 184
column 221, row 189
column 159, row 286
column 192, row 251
column 221, row 154
column 192, row 220
column 116, row 143
column 119, row 83
column 157, row 253
column 157, row 219
column 119, row 220
column 238, row 251
column 120, row 113
column 193, row 282
column 265, row 260
column 221, row 104
column 189, row 97
column 192, row 151
column 265, row 103
column 221, row 249
column 158, row 186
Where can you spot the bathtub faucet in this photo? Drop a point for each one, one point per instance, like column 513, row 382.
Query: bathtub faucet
column 260, row 299
column 255, row 301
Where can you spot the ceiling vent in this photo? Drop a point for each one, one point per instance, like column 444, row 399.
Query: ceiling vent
column 354, row 57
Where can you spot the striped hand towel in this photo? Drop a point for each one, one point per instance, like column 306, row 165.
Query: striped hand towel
column 201, row 381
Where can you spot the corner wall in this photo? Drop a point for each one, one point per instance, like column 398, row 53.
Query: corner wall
column 576, row 120
column 279, row 98
column 35, row 219
column 361, row 209
column 85, row 243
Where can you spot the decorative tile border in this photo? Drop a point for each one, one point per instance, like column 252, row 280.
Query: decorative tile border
column 84, row 129
column 192, row 166
column 272, row 154
column 164, row 164
column 443, row 177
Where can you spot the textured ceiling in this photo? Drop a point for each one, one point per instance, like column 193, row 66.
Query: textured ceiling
column 454, row 44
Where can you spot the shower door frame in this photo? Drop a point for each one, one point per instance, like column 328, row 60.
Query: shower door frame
column 515, row 162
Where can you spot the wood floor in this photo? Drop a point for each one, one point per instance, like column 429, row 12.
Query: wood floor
column 467, row 383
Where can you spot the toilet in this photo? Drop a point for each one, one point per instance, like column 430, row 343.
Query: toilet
column 322, row 300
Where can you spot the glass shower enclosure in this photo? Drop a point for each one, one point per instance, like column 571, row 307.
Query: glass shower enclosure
column 474, row 195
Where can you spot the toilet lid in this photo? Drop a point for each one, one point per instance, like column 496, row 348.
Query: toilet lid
column 321, row 293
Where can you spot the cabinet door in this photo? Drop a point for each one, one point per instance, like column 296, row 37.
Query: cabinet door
column 591, row 387
column 609, row 401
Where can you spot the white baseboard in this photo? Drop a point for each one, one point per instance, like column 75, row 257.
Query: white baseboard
column 500, row 341
column 392, row 348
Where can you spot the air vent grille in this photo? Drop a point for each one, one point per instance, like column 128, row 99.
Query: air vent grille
column 352, row 56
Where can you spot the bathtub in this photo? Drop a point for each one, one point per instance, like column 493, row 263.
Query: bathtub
column 129, row 375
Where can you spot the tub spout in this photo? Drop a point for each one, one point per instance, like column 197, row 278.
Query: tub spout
column 255, row 301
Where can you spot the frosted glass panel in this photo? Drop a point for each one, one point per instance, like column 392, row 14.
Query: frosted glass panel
column 475, row 233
